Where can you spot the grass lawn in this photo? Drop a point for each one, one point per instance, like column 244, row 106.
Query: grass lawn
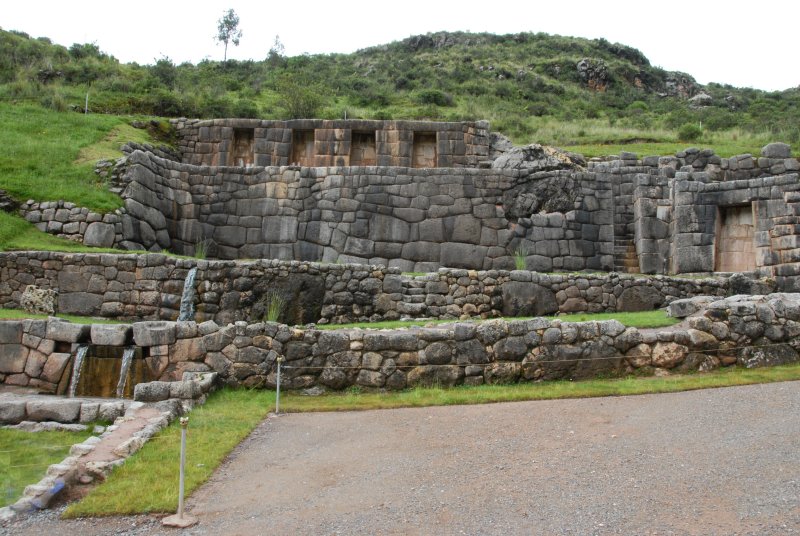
column 148, row 481
column 19, row 314
column 40, row 148
column 642, row 319
column 25, row 456
column 16, row 234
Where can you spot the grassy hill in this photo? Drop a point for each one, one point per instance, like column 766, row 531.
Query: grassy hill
column 534, row 87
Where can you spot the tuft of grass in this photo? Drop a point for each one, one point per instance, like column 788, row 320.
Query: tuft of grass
column 19, row 314
column 519, row 258
column 148, row 480
column 275, row 306
column 25, row 456
column 201, row 249
column 641, row 319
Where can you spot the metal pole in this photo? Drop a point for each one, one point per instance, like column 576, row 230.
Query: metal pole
column 278, row 387
column 184, row 425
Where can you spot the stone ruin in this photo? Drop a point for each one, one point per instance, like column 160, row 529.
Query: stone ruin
column 332, row 215
column 421, row 195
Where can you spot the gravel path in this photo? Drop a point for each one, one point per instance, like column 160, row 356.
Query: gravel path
column 723, row 461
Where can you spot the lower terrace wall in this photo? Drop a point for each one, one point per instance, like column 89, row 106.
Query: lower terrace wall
column 150, row 287
column 746, row 330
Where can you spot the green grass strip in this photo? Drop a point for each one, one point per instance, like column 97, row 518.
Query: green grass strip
column 641, row 319
column 18, row 314
column 25, row 456
column 148, row 481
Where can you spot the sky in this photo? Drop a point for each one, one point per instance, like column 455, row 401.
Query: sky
column 714, row 41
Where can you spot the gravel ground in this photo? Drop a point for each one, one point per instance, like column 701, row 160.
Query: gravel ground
column 723, row 461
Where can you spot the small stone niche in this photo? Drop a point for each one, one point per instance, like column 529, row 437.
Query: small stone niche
column 362, row 149
column 735, row 250
column 303, row 153
column 424, row 150
column 243, row 154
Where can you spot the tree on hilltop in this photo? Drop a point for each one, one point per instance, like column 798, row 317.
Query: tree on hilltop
column 228, row 30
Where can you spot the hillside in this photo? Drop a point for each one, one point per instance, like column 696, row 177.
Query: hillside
column 533, row 87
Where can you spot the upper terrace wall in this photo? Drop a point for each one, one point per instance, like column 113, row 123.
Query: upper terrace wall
column 323, row 143
column 416, row 220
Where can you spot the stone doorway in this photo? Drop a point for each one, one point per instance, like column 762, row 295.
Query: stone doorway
column 362, row 149
column 424, row 151
column 242, row 147
column 735, row 251
column 303, row 148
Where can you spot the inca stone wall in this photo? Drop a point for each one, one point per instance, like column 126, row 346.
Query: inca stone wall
column 274, row 143
column 150, row 286
column 655, row 215
column 746, row 330
column 416, row 220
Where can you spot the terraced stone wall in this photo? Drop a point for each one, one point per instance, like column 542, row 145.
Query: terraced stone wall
column 747, row 330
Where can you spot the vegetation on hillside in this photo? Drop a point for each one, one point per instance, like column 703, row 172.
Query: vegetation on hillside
column 529, row 85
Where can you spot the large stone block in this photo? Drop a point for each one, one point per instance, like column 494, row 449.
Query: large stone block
column 153, row 333
column 58, row 409
column 59, row 330
column 639, row 298
column 99, row 234
column 527, row 299
column 54, row 367
column 10, row 332
column 13, row 358
column 80, row 303
column 12, row 411
column 111, row 334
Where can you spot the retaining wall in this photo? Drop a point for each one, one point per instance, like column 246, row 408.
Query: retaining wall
column 748, row 330
column 150, row 286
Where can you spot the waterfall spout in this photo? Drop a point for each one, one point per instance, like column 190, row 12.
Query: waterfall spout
column 77, row 366
column 187, row 298
column 127, row 359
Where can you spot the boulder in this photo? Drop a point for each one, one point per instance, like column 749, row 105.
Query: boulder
column 40, row 301
column 639, row 298
column 668, row 354
column 12, row 411
column 689, row 306
column 776, row 150
column 151, row 391
column 57, row 409
column 99, row 234
column 528, row 299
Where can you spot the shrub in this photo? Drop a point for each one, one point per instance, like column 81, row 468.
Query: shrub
column 435, row 97
column 690, row 132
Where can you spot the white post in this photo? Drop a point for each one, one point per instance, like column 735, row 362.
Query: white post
column 278, row 387
column 180, row 520
column 86, row 106
column 181, row 488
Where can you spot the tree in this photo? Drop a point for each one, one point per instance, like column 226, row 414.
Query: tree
column 228, row 30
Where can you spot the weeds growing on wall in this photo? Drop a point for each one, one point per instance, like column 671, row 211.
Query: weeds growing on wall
column 276, row 303
column 519, row 258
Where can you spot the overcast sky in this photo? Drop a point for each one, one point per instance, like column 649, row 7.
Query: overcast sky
column 713, row 41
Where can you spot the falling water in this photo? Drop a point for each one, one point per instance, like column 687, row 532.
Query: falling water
column 187, row 299
column 127, row 359
column 80, row 356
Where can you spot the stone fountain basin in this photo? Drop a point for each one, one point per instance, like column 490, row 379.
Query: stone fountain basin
column 17, row 405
